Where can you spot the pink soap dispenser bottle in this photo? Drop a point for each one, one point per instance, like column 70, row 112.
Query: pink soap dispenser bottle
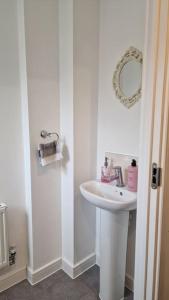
column 105, row 172
column 132, row 176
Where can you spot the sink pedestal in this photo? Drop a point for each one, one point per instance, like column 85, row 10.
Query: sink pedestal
column 115, row 203
column 113, row 248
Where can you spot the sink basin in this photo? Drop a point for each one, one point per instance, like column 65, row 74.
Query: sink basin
column 109, row 197
column 115, row 204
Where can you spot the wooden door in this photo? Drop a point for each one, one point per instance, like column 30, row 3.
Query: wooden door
column 163, row 293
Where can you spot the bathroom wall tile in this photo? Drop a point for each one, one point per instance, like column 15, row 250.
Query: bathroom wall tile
column 122, row 160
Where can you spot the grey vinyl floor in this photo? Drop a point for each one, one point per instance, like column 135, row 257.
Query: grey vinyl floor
column 60, row 287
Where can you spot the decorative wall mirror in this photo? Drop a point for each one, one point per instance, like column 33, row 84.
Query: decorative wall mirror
column 127, row 77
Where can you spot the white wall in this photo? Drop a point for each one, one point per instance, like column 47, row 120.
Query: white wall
column 11, row 150
column 29, row 85
column 78, row 96
column 118, row 128
column 121, row 26
column 41, row 32
column 29, row 70
column 67, row 126
column 86, row 43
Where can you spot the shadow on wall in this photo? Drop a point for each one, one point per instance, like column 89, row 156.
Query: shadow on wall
column 66, row 156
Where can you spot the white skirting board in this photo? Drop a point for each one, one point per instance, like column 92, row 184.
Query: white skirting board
column 12, row 278
column 75, row 270
column 44, row 272
column 56, row 265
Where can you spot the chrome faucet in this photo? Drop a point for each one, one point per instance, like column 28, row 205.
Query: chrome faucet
column 118, row 176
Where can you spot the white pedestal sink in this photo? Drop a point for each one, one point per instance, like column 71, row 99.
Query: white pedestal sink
column 115, row 204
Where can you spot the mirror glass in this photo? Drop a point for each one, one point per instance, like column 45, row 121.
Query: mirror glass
column 130, row 77
column 127, row 77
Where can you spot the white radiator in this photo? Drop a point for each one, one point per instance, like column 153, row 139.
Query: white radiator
column 3, row 236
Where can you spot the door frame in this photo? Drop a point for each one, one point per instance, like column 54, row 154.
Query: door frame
column 153, row 141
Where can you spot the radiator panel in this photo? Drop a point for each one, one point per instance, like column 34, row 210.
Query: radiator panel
column 3, row 237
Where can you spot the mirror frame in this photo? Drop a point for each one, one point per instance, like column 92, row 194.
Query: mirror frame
column 131, row 54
